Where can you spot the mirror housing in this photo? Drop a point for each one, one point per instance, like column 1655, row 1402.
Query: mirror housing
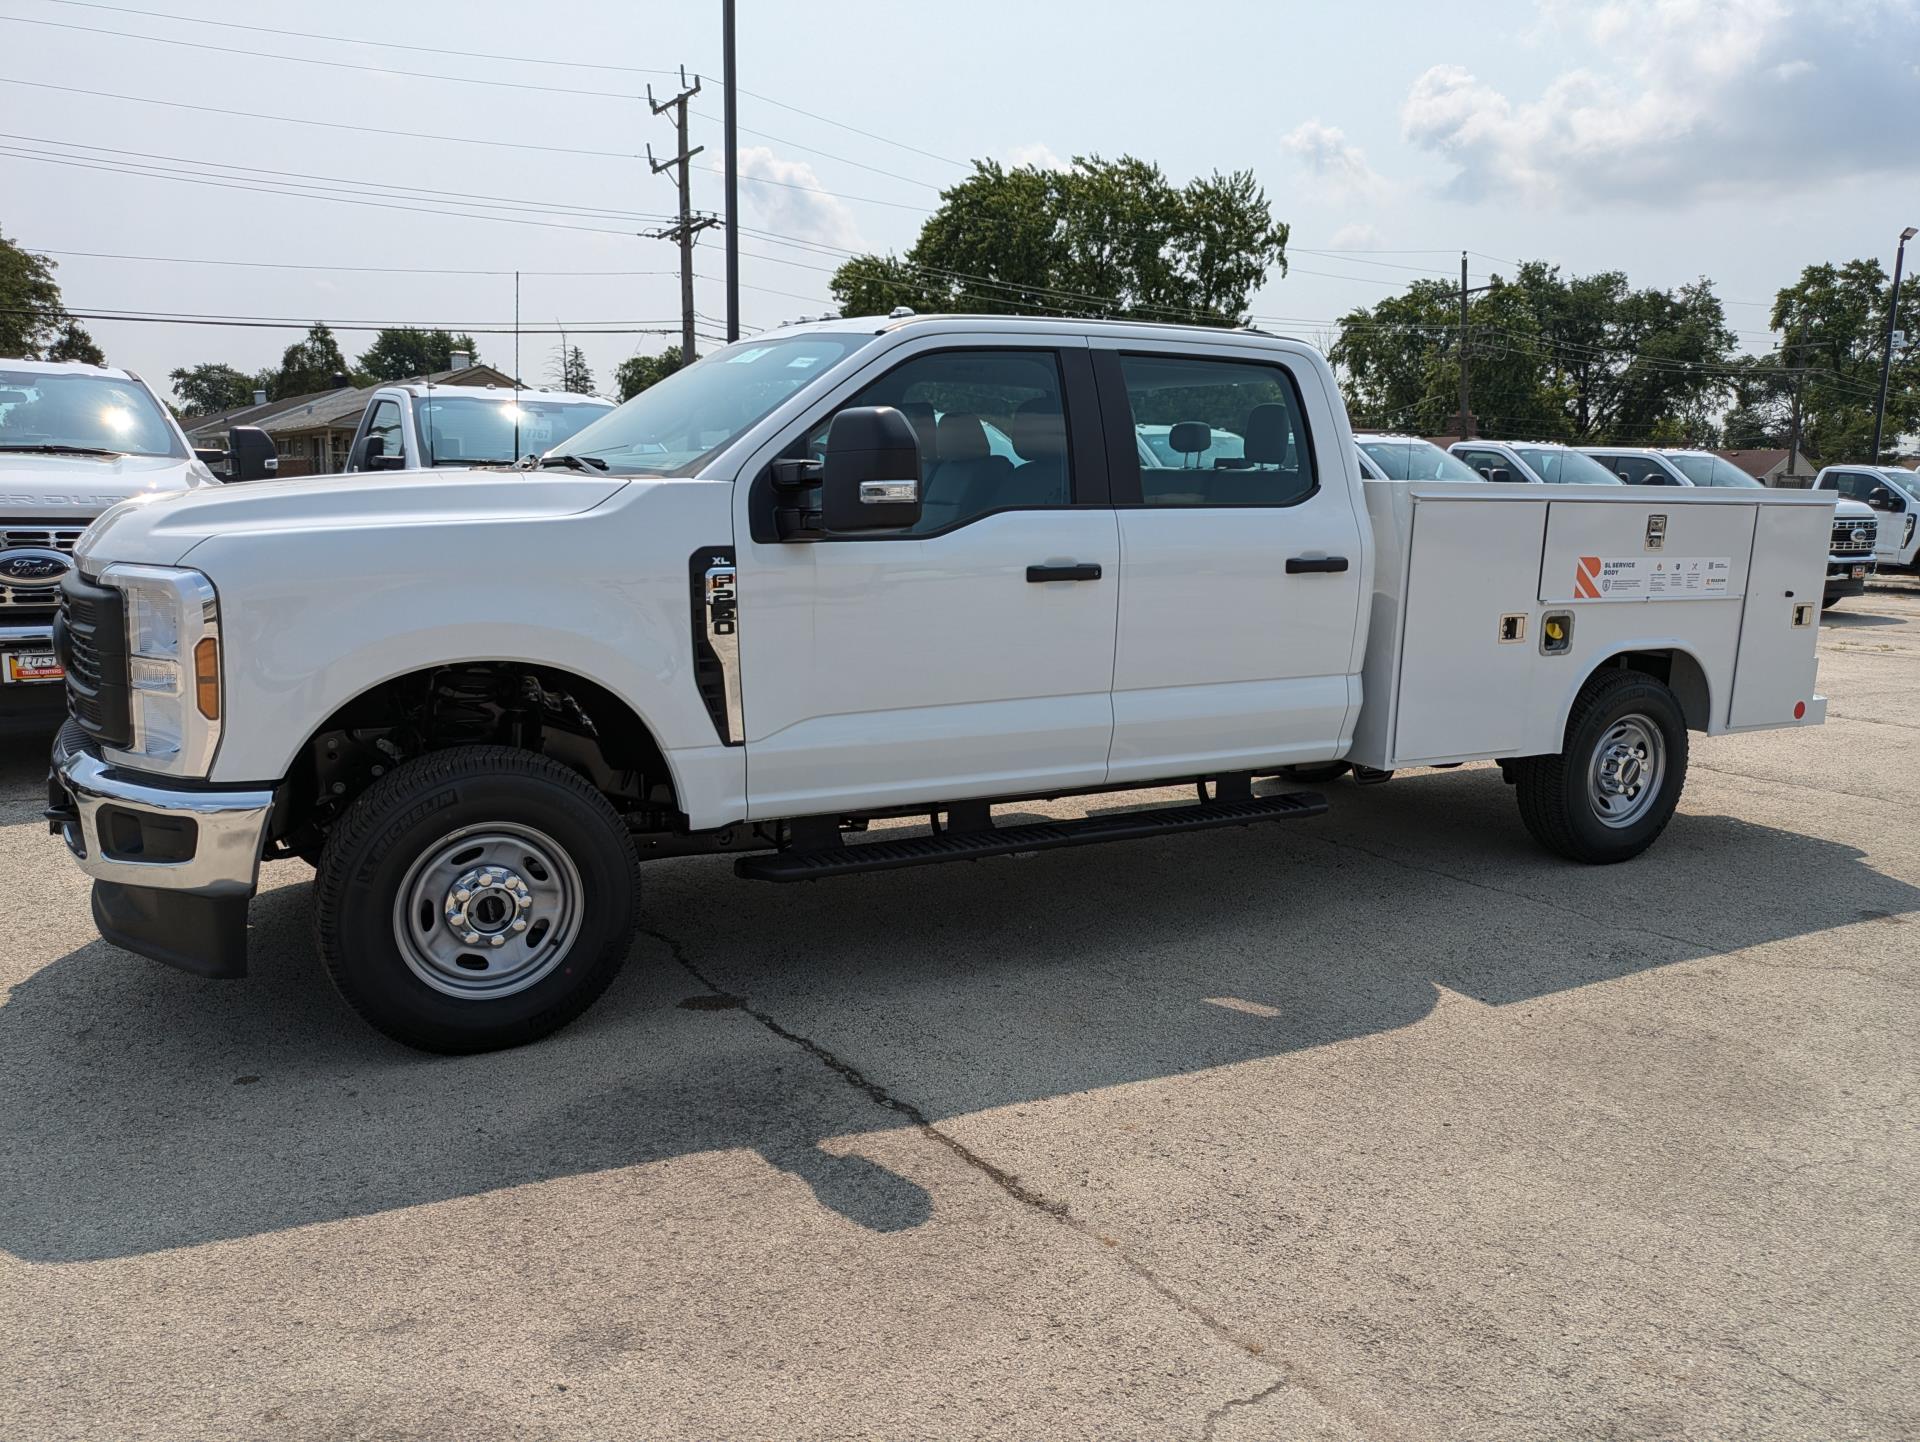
column 1881, row 498
column 251, row 454
column 211, row 455
column 1500, row 475
column 870, row 479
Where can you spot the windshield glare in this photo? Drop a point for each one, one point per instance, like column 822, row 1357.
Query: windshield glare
column 469, row 430
column 1567, row 468
column 1417, row 460
column 92, row 412
column 1712, row 471
column 672, row 427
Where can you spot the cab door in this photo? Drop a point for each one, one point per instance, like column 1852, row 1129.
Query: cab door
column 971, row 656
column 1242, row 562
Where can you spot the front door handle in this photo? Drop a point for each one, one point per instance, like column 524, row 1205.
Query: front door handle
column 1315, row 565
column 1089, row 571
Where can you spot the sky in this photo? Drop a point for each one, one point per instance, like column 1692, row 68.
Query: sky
column 434, row 148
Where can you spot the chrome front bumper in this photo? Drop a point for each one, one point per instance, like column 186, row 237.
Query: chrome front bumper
column 113, row 818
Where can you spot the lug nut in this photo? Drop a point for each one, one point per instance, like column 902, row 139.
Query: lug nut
column 472, row 938
column 520, row 923
column 463, row 896
column 499, row 941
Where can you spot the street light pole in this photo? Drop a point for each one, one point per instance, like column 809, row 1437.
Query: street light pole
column 729, row 114
column 1886, row 360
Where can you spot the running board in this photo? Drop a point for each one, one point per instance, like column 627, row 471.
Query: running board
column 820, row 862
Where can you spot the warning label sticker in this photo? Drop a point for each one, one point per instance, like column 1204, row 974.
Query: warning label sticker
column 1651, row 578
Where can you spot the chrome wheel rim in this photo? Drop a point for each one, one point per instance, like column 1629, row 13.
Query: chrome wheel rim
column 1628, row 767
column 488, row 911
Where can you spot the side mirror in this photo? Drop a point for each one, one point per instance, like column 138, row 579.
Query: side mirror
column 251, row 454
column 1499, row 475
column 212, row 455
column 1881, row 499
column 870, row 479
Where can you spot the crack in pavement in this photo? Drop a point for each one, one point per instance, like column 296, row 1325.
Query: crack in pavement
column 1218, row 1414
column 1026, row 1196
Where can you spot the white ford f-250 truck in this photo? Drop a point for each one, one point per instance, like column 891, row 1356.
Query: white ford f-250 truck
column 794, row 588
column 74, row 440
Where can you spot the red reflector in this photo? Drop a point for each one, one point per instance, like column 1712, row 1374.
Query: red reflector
column 1799, row 710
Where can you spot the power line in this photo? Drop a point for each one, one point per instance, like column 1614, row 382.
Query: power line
column 505, row 59
column 272, row 323
column 322, row 124
column 355, row 269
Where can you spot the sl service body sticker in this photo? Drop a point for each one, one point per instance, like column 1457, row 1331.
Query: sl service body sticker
column 1651, row 578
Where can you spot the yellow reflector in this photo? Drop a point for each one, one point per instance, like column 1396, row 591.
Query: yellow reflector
column 206, row 677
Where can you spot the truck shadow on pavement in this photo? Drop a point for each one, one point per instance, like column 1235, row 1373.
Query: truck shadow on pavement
column 141, row 1109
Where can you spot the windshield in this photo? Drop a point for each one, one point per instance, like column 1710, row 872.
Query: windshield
column 1417, row 460
column 69, row 411
column 1567, row 468
column 1907, row 482
column 465, row 430
column 672, row 427
column 1712, row 471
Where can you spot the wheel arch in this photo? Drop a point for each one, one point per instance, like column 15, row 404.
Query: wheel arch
column 1673, row 665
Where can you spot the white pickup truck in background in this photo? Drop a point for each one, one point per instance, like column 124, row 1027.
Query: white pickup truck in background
column 1534, row 463
column 1858, row 536
column 795, row 589
column 1892, row 495
column 416, row 426
column 74, row 440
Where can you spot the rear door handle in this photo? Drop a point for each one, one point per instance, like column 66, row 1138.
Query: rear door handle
column 1315, row 565
column 1089, row 571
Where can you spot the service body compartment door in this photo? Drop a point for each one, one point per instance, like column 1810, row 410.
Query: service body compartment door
column 1609, row 551
column 1465, row 689
column 1775, row 666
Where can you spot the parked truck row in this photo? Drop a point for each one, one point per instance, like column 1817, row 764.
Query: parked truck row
column 854, row 572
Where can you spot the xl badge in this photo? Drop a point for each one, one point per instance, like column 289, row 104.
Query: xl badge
column 33, row 568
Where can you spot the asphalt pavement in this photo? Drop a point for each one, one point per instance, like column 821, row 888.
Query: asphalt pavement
column 1383, row 1125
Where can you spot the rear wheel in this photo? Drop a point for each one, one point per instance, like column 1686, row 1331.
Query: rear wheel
column 1614, row 787
column 476, row 898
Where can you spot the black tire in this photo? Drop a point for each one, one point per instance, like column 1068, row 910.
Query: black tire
column 422, row 813
column 1316, row 773
column 1558, row 794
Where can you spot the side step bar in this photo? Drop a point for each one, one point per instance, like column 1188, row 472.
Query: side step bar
column 817, row 863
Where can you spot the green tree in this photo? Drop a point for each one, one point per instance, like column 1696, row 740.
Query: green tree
column 1106, row 238
column 210, row 387
column 312, row 364
column 1832, row 323
column 571, row 372
column 74, row 344
column 401, row 352
column 636, row 373
column 1582, row 359
column 34, row 324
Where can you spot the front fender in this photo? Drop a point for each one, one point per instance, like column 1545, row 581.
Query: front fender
column 314, row 618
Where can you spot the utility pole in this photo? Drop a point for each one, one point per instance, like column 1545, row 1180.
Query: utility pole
column 689, row 225
column 731, row 139
column 1886, row 360
column 1466, row 409
column 1799, row 369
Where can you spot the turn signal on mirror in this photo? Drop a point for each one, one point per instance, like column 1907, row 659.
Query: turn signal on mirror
column 206, row 677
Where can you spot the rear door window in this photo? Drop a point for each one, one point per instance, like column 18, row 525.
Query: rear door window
column 1217, row 432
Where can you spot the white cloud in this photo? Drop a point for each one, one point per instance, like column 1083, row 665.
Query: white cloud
column 1329, row 156
column 1356, row 236
column 1036, row 153
column 1686, row 96
column 786, row 196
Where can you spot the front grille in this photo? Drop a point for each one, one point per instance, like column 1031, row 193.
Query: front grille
column 1844, row 543
column 19, row 602
column 90, row 637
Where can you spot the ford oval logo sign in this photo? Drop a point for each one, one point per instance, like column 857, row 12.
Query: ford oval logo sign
column 1861, row 535
column 33, row 567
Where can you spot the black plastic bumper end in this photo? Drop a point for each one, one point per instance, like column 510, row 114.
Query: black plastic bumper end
column 206, row 935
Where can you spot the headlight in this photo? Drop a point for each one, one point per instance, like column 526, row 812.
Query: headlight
column 173, row 667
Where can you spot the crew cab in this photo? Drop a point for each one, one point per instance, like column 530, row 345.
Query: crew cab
column 74, row 440
column 1533, row 463
column 1889, row 492
column 1857, row 533
column 416, row 426
column 758, row 607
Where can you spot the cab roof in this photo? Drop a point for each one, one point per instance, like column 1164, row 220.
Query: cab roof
column 49, row 368
column 563, row 398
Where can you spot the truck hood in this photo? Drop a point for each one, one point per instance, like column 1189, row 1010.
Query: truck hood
column 45, row 488
column 161, row 529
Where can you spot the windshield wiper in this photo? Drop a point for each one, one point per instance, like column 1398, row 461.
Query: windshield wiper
column 573, row 462
column 55, row 448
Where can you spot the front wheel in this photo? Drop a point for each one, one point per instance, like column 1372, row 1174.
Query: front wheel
column 1615, row 785
column 476, row 898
